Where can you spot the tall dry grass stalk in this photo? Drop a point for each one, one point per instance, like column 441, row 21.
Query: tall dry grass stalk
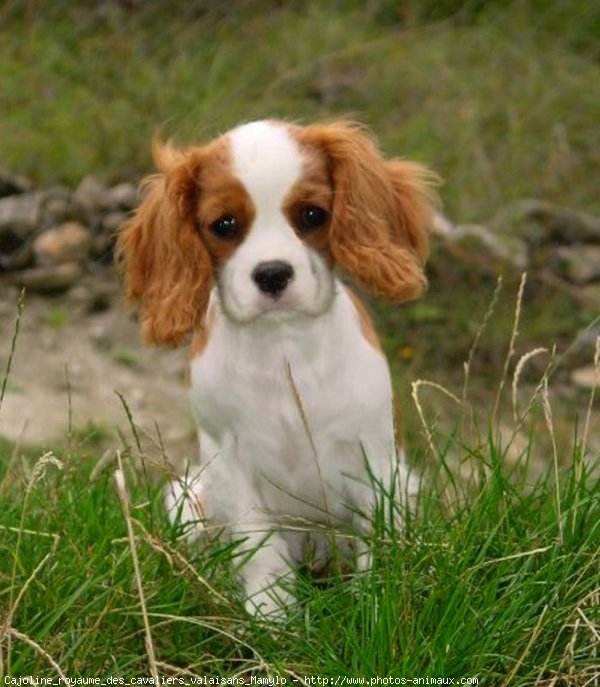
column 527, row 649
column 550, row 426
column 429, row 435
column 298, row 401
column 581, row 454
column 136, row 436
column 176, row 559
column 596, row 383
column 467, row 409
column 415, row 386
column 573, row 622
column 124, row 498
column 6, row 631
column 468, row 434
column 517, row 377
column 482, row 327
column 39, row 650
column 511, row 348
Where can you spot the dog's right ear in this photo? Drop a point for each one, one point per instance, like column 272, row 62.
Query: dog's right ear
column 381, row 212
column 162, row 257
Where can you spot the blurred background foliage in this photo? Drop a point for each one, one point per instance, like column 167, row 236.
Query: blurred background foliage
column 499, row 96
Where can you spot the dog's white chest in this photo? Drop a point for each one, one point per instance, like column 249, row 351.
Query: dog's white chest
column 295, row 410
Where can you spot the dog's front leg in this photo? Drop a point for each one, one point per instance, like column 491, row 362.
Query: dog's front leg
column 264, row 571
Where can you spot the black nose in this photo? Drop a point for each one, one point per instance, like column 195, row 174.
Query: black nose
column 273, row 276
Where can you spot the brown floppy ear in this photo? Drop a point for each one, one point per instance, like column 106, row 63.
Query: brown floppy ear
column 381, row 212
column 164, row 262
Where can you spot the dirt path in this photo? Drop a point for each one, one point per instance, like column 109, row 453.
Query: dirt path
column 87, row 334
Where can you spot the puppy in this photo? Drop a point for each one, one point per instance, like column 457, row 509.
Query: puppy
column 237, row 245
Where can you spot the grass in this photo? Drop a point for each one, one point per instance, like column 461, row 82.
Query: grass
column 484, row 582
column 495, row 577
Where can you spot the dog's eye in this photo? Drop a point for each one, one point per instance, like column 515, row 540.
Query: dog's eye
column 225, row 227
column 312, row 217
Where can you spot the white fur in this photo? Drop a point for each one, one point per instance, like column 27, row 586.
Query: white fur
column 268, row 163
column 290, row 398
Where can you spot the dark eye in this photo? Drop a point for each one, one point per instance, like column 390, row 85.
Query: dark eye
column 312, row 217
column 225, row 227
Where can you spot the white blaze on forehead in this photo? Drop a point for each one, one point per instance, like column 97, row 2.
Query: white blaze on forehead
column 266, row 159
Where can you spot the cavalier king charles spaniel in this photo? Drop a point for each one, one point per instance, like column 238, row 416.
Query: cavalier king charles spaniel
column 238, row 246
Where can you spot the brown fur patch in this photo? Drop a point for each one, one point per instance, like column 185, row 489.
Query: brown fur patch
column 167, row 253
column 381, row 211
column 222, row 194
column 164, row 262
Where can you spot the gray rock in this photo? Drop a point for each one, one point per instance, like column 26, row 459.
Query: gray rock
column 579, row 264
column 92, row 195
column 20, row 215
column 537, row 221
column 12, row 184
column 97, row 200
column 59, row 205
column 24, row 216
column 66, row 242
column 112, row 221
column 503, row 248
column 581, row 352
column 476, row 240
column 50, row 279
column 124, row 196
column 16, row 257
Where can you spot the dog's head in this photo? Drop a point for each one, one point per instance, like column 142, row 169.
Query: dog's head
column 266, row 212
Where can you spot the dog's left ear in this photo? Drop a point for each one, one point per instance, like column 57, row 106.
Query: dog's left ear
column 382, row 212
column 165, row 265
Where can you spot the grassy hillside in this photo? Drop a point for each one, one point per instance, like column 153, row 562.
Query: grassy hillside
column 502, row 587
column 498, row 97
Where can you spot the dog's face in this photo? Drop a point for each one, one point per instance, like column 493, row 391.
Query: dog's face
column 266, row 212
column 264, row 220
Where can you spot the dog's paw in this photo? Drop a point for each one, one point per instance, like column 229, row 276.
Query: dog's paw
column 273, row 603
column 183, row 501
